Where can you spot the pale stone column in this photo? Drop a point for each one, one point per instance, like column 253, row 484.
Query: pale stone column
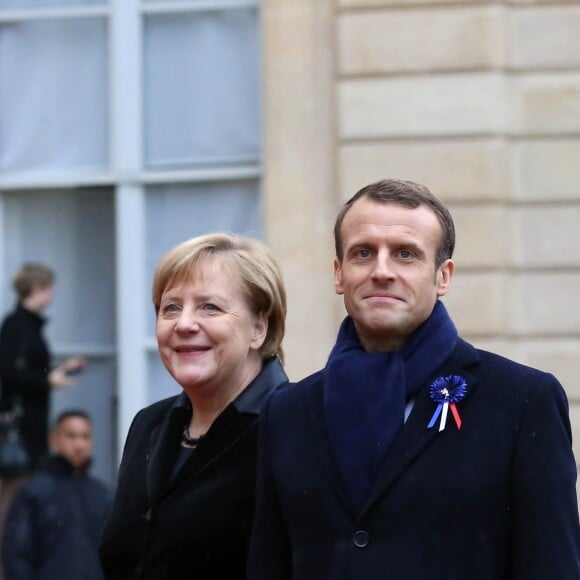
column 299, row 184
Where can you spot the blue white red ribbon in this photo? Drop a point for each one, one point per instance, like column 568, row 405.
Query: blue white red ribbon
column 447, row 392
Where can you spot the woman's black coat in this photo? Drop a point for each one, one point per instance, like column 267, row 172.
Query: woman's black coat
column 198, row 524
column 24, row 366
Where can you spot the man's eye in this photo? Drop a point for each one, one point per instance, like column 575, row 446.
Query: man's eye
column 363, row 253
column 406, row 254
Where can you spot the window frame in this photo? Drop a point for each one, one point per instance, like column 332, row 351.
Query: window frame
column 127, row 175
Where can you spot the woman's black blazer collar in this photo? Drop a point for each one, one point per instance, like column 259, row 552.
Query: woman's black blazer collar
column 231, row 424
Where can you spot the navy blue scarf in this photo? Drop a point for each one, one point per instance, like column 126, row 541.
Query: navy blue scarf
column 365, row 393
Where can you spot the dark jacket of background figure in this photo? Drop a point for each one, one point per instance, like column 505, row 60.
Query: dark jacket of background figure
column 197, row 525
column 24, row 367
column 494, row 500
column 53, row 525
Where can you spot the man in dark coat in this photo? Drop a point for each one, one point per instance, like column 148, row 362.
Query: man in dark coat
column 412, row 455
column 53, row 525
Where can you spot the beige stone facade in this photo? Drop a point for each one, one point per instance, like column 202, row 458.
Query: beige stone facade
column 478, row 100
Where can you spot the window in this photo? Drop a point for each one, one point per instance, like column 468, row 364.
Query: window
column 126, row 127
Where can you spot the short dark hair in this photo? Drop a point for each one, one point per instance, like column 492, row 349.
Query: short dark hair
column 409, row 194
column 30, row 276
column 70, row 413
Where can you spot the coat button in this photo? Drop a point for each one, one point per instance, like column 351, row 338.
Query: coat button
column 360, row 539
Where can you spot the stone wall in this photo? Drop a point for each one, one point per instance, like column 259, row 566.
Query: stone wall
column 481, row 102
column 478, row 100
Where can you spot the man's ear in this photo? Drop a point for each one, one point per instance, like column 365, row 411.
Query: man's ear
column 338, row 277
column 260, row 331
column 443, row 276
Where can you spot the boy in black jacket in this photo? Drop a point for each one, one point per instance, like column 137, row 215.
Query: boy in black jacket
column 53, row 525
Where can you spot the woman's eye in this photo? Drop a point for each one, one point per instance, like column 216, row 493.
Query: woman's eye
column 170, row 308
column 210, row 307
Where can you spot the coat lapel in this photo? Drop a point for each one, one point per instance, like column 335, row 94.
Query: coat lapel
column 415, row 437
column 234, row 422
column 321, row 440
column 225, row 433
column 164, row 445
column 165, row 442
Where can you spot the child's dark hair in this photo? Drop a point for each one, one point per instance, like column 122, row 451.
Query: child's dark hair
column 69, row 413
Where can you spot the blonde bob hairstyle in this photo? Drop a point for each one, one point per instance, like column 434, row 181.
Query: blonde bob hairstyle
column 260, row 278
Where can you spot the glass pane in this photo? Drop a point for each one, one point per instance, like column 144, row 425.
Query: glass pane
column 178, row 212
column 202, row 86
column 20, row 4
column 73, row 233
column 54, row 95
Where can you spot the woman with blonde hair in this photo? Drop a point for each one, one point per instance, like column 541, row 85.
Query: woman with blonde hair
column 185, row 497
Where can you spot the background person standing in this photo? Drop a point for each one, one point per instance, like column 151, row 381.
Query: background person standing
column 25, row 374
column 53, row 525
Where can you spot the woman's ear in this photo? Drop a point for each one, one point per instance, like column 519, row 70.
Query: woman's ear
column 260, row 331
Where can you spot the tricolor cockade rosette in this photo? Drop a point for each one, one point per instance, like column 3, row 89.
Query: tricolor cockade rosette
column 447, row 392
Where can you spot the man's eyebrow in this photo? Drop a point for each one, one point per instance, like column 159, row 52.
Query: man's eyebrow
column 357, row 245
column 411, row 246
column 358, row 242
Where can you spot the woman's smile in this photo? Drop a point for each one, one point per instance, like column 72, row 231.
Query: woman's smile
column 206, row 330
column 191, row 349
